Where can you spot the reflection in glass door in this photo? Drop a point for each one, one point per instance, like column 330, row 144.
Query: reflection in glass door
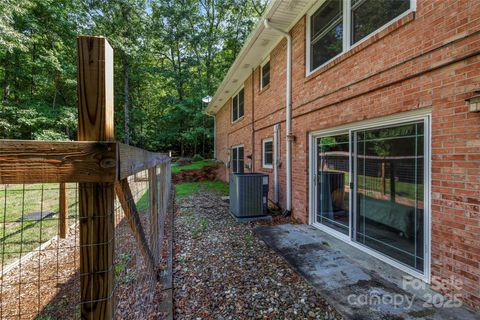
column 389, row 191
column 332, row 182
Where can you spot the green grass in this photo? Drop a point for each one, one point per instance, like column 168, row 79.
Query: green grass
column 143, row 202
column 17, row 238
column 194, row 166
column 200, row 228
column 188, row 188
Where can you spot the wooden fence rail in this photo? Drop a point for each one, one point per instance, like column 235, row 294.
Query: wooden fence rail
column 100, row 166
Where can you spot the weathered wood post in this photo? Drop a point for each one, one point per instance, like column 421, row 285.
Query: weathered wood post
column 62, row 212
column 154, row 216
column 96, row 200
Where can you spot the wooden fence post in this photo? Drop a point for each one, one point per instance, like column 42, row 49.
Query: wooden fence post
column 96, row 200
column 154, row 217
column 63, row 212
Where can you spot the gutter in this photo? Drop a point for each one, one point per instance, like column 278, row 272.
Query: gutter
column 288, row 107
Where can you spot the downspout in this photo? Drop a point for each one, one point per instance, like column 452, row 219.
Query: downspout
column 253, row 121
column 276, row 130
column 288, row 120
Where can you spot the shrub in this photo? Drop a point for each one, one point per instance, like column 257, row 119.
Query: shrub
column 183, row 161
column 197, row 157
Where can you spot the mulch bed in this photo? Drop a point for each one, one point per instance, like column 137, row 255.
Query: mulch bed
column 221, row 271
column 196, row 175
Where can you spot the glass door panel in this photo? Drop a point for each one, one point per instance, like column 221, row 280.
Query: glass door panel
column 332, row 182
column 389, row 191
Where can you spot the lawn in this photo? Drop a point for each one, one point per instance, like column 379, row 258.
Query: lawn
column 188, row 188
column 18, row 237
column 194, row 166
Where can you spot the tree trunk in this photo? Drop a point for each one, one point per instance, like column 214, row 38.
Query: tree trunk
column 55, row 88
column 203, row 138
column 6, row 84
column 126, row 99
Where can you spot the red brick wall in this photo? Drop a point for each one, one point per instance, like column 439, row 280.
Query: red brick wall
column 428, row 59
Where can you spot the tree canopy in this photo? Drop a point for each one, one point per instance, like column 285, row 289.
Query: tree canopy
column 168, row 55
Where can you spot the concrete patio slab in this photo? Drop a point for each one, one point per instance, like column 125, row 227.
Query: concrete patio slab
column 358, row 285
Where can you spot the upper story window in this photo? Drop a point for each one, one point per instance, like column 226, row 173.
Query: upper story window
column 326, row 33
column 265, row 76
column 237, row 105
column 337, row 25
column 369, row 15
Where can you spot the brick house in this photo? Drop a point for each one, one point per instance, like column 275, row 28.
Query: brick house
column 383, row 127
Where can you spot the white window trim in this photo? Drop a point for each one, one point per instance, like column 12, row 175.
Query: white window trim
column 346, row 31
column 261, row 73
column 419, row 114
column 231, row 105
column 265, row 165
column 237, row 146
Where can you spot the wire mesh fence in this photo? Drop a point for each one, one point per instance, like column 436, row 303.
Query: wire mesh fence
column 40, row 249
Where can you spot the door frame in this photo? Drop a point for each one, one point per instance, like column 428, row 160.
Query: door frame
column 405, row 117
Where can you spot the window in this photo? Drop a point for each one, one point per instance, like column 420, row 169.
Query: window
column 326, row 33
column 370, row 185
column 237, row 105
column 237, row 159
column 369, row 15
column 265, row 77
column 339, row 24
column 267, row 153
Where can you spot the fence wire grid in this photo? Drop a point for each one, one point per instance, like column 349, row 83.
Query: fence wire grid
column 40, row 266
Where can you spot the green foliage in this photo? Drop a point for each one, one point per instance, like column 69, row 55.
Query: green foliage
column 194, row 166
column 197, row 158
column 200, row 227
column 168, row 55
column 188, row 188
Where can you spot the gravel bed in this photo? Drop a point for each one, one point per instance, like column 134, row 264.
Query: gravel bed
column 221, row 271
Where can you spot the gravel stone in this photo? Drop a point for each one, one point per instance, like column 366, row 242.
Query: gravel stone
column 222, row 271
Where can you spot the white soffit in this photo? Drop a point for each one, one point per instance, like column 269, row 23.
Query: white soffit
column 282, row 14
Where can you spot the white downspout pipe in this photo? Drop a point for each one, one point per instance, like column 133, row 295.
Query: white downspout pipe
column 288, row 120
column 276, row 130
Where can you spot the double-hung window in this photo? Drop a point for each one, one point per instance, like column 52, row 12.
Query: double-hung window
column 267, row 153
column 237, row 105
column 326, row 29
column 337, row 25
column 265, row 78
column 237, row 159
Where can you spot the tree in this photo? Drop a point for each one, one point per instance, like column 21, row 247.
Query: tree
column 169, row 55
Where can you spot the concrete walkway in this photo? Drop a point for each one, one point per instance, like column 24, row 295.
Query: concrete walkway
column 358, row 285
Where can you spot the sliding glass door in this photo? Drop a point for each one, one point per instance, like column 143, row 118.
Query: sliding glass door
column 332, row 178
column 389, row 191
column 369, row 188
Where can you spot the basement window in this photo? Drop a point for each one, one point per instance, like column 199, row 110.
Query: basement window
column 265, row 74
column 335, row 26
column 237, row 105
column 237, row 159
column 267, row 153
